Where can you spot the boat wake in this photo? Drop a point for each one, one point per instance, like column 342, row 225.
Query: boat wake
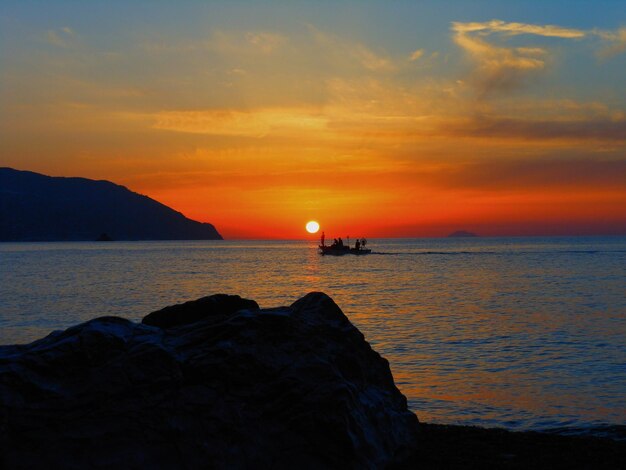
column 480, row 253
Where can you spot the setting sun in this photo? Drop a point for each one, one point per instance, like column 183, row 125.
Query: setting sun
column 312, row 226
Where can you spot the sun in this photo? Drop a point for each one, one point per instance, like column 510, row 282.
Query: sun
column 312, row 226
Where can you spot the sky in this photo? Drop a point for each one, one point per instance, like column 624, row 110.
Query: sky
column 378, row 119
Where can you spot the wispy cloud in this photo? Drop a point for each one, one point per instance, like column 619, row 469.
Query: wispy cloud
column 62, row 37
column 503, row 68
column 500, row 67
column 616, row 42
column 538, row 173
column 343, row 50
column 227, row 43
column 257, row 123
column 416, row 54
column 498, row 26
column 266, row 42
column 590, row 129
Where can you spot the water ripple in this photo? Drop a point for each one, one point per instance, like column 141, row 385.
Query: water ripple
column 524, row 333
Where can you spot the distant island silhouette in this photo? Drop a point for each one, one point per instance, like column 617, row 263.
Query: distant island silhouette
column 36, row 207
column 104, row 237
column 462, row 233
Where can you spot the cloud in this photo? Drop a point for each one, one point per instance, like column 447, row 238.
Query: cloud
column 498, row 26
column 227, row 43
column 266, row 42
column 416, row 54
column 240, row 45
column 503, row 68
column 61, row 38
column 514, row 175
column 341, row 50
column 375, row 110
column 499, row 67
column 616, row 40
column 592, row 128
column 370, row 60
column 257, row 123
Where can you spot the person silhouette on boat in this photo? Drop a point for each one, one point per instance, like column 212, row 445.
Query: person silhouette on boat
column 357, row 245
column 340, row 243
column 335, row 243
column 323, row 238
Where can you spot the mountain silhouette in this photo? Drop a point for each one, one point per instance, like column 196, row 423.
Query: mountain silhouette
column 36, row 207
column 462, row 233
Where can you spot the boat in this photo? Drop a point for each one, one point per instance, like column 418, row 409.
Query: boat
column 343, row 250
column 339, row 249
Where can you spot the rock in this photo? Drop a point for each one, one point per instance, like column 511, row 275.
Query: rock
column 218, row 305
column 215, row 383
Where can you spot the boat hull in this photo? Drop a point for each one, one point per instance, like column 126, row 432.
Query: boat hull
column 336, row 251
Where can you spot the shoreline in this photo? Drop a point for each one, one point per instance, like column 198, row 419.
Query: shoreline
column 455, row 446
column 612, row 432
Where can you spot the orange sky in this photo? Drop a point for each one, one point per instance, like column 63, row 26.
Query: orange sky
column 416, row 121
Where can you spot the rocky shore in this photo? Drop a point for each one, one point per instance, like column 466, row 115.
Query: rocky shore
column 220, row 383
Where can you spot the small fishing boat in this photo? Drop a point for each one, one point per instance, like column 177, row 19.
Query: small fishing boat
column 344, row 250
column 339, row 249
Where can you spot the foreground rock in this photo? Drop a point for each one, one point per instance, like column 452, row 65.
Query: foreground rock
column 215, row 383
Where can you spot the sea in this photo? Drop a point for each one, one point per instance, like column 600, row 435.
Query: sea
column 519, row 333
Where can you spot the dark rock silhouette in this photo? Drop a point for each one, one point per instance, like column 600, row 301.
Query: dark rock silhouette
column 214, row 307
column 462, row 233
column 215, row 383
column 35, row 207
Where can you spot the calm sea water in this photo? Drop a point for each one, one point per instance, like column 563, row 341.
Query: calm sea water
column 522, row 333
